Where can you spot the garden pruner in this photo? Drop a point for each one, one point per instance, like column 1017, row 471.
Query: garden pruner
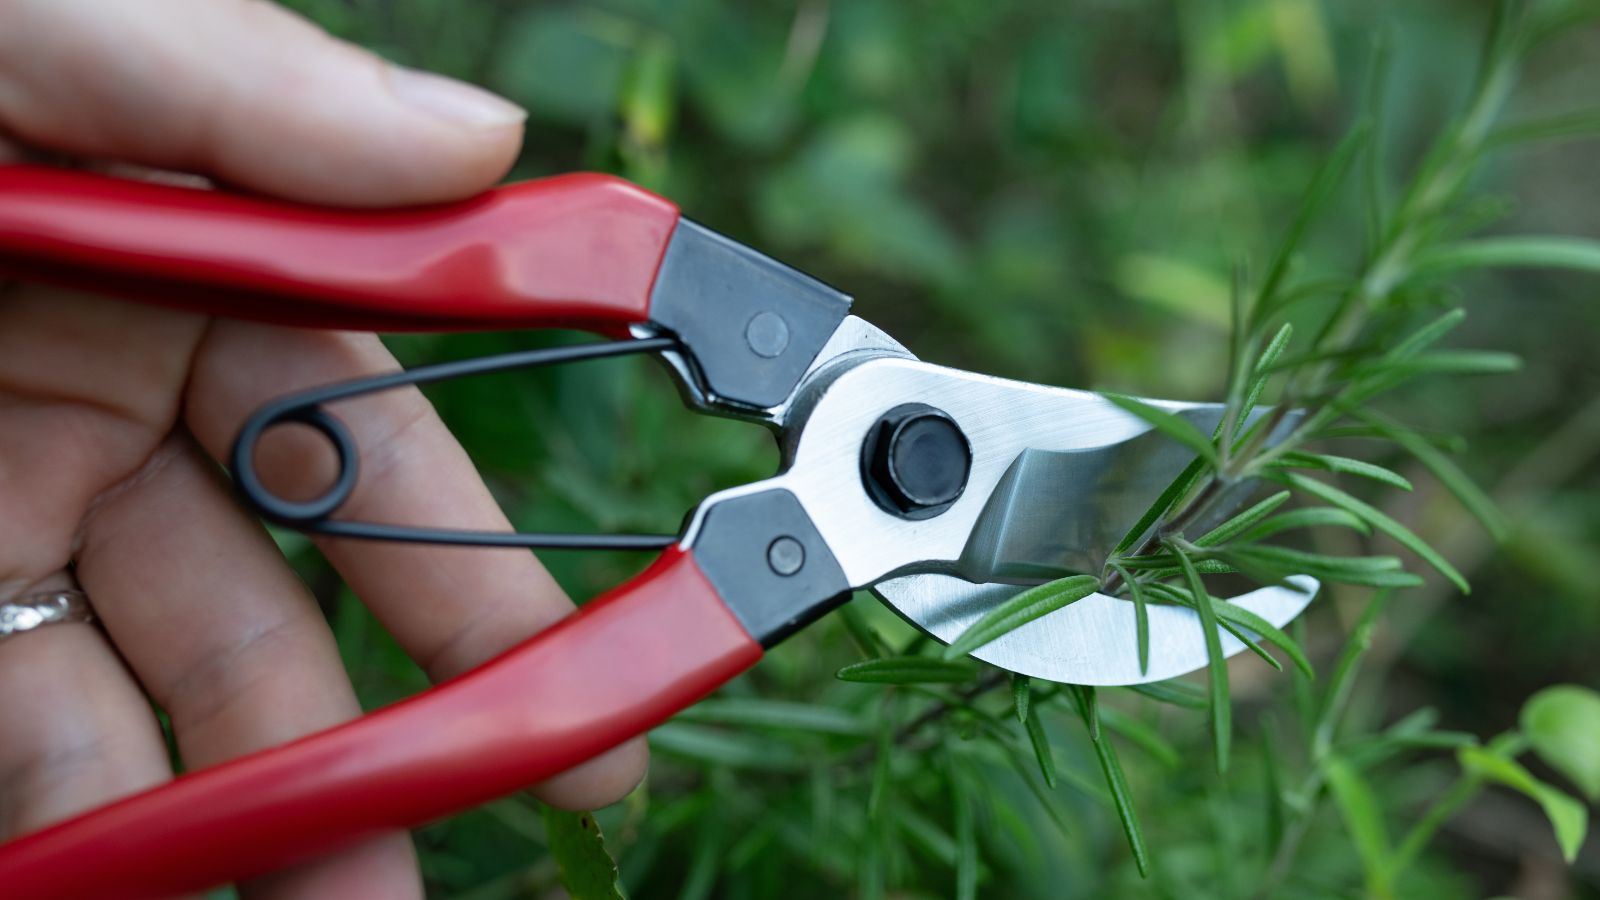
column 942, row 491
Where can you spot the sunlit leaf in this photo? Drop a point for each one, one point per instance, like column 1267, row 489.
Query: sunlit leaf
column 1568, row 817
column 1021, row 609
column 587, row 871
column 1563, row 725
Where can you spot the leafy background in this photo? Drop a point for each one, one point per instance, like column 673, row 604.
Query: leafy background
column 1055, row 192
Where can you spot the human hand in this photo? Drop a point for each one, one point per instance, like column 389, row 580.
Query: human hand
column 111, row 415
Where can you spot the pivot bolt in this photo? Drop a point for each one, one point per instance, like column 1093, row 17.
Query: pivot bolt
column 915, row 461
column 786, row 555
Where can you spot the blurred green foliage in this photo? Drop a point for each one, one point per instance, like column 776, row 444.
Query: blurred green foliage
column 1055, row 192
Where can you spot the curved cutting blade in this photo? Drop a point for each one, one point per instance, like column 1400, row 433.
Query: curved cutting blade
column 1094, row 640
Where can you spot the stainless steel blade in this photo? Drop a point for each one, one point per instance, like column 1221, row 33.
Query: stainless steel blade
column 1093, row 641
column 1057, row 477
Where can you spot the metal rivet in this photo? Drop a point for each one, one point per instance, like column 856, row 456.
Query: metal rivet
column 767, row 334
column 786, row 555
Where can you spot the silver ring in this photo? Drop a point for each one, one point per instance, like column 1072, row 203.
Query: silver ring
column 39, row 610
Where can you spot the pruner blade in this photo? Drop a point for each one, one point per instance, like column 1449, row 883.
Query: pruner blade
column 1092, row 641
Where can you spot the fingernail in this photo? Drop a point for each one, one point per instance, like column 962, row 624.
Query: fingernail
column 452, row 100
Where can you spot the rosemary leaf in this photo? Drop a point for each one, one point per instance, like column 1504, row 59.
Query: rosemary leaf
column 1020, row 610
column 1141, row 614
column 1558, row 252
column 907, row 670
column 1328, row 462
column 1221, row 710
column 1021, row 694
column 1231, row 528
column 1380, row 521
column 1170, row 424
column 1089, row 708
column 1307, row 517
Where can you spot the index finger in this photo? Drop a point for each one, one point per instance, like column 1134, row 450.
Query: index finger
column 451, row 608
column 248, row 93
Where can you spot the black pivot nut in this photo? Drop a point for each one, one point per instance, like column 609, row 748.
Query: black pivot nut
column 915, row 461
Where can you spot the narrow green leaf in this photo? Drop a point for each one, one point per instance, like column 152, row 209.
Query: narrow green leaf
column 1289, row 558
column 1322, row 186
column 1329, row 463
column 1020, row 696
column 1172, row 494
column 907, row 670
column 1568, row 817
column 1116, row 780
column 1378, row 520
column 1265, row 366
column 1331, row 709
column 1142, row 735
column 966, row 841
column 882, row 760
column 1186, row 599
column 1363, row 819
column 1457, row 482
column 586, row 870
column 1563, row 725
column 866, row 638
column 1221, row 708
column 736, row 749
column 1170, row 424
column 753, row 712
column 1307, row 517
column 1444, row 362
column 1141, row 614
column 1020, row 610
column 1428, row 334
column 928, row 837
column 1267, row 562
column 1231, row 528
column 1583, row 123
column 1175, row 692
column 1555, row 252
column 1269, row 632
column 1041, row 749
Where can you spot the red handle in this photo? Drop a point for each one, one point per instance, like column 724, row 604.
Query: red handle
column 571, row 251
column 621, row 665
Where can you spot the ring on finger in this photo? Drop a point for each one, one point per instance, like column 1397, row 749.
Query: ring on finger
column 35, row 611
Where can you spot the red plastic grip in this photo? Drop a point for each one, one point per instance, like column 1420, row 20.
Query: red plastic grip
column 577, row 251
column 619, row 666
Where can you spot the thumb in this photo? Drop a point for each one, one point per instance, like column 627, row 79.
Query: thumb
column 248, row 93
